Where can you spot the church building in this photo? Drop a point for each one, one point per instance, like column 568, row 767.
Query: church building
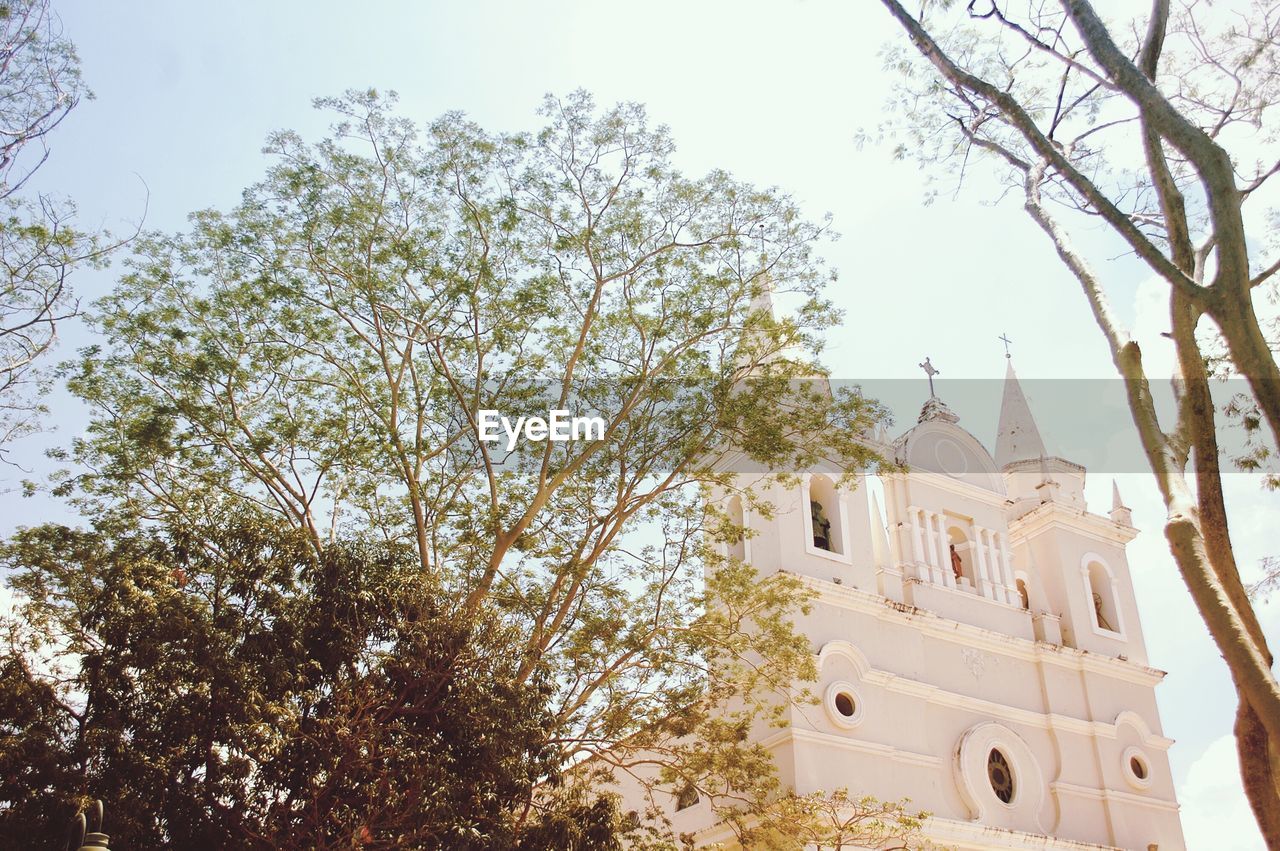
column 979, row 647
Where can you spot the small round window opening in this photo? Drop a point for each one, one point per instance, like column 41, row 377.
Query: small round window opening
column 1000, row 775
column 1137, row 769
column 844, row 706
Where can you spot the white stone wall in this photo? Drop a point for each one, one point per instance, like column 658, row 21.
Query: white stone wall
column 943, row 671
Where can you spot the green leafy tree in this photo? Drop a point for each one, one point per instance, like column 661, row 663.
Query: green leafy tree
column 835, row 821
column 40, row 84
column 1162, row 131
column 224, row 687
column 322, row 355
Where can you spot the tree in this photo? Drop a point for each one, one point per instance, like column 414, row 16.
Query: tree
column 40, row 84
column 325, row 355
column 224, row 688
column 1062, row 104
column 833, row 821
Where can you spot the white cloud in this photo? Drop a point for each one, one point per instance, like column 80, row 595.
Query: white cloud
column 1215, row 813
column 1151, row 320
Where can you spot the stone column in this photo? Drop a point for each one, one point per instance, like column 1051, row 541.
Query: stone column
column 930, row 544
column 980, row 556
column 944, row 553
column 1011, row 582
column 917, row 542
column 997, row 572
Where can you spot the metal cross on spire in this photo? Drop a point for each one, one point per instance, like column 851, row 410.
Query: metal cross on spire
column 930, row 371
column 1005, row 339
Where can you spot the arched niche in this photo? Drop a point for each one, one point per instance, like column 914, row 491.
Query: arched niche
column 824, row 519
column 1024, row 593
column 1102, row 596
column 960, row 552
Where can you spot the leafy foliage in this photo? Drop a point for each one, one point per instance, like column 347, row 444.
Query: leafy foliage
column 223, row 687
column 320, row 355
column 833, row 821
column 40, row 84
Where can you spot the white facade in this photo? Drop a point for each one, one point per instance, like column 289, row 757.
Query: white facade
column 938, row 682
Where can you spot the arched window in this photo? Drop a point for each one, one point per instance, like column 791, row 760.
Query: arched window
column 825, row 519
column 1022, row 592
column 737, row 519
column 1100, row 586
column 687, row 797
column 960, row 553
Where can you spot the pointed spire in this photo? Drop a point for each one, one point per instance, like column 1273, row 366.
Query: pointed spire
column 1120, row 512
column 1018, row 439
column 879, row 538
column 763, row 300
column 761, row 303
column 761, row 338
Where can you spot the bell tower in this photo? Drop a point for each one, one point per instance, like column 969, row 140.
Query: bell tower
column 1077, row 573
column 978, row 644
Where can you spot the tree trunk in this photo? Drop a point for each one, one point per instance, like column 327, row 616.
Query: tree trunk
column 1258, row 772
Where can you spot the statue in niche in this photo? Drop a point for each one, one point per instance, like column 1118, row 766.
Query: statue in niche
column 1097, row 610
column 821, row 526
column 957, row 566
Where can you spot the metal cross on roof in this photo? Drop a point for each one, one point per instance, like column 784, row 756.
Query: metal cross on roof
column 930, row 371
column 1005, row 339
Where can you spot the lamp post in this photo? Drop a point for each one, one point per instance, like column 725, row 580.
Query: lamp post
column 83, row 839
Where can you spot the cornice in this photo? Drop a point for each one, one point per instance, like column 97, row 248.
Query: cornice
column 934, row 625
column 951, row 485
column 848, row 743
column 1050, row 514
column 1129, row 798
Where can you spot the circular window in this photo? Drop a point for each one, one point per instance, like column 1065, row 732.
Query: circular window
column 1000, row 775
column 843, row 705
column 1136, row 768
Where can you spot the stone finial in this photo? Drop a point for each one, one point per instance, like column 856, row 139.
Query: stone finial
column 1120, row 512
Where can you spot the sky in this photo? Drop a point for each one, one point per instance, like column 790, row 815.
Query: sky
column 776, row 93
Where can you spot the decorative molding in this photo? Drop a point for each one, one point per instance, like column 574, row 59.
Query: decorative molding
column 976, row 661
column 1060, row 788
column 955, row 487
column 1055, row 514
column 1051, row 721
column 934, row 625
column 970, row 765
column 849, row 651
column 799, row 734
